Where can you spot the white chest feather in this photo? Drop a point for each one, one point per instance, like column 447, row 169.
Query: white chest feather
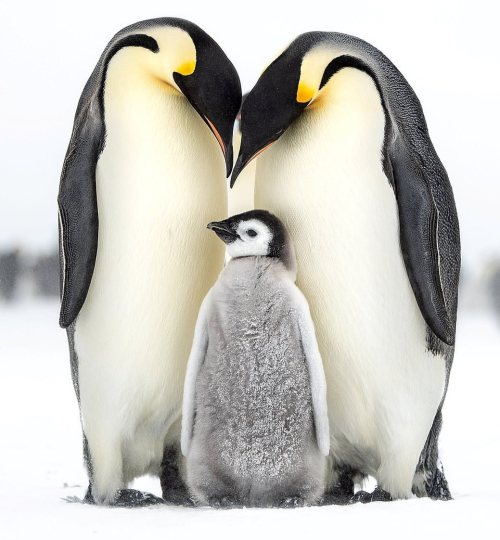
column 160, row 180
column 325, row 180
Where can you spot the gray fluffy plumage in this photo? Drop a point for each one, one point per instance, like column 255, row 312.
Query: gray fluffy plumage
column 253, row 440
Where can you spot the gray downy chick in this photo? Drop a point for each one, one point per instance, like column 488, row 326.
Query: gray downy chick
column 255, row 425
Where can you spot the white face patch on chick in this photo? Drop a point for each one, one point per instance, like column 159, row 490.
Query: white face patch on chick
column 254, row 238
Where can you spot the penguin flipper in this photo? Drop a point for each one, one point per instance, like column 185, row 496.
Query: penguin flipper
column 78, row 220
column 196, row 359
column 77, row 199
column 316, row 372
column 419, row 219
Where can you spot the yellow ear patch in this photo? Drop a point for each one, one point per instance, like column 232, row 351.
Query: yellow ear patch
column 186, row 68
column 305, row 92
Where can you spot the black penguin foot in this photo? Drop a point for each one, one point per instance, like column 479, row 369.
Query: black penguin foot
column 378, row 495
column 178, row 497
column 128, row 498
column 341, row 493
column 225, row 502
column 131, row 498
column 292, row 502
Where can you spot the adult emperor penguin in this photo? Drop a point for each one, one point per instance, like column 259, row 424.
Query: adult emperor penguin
column 254, row 423
column 143, row 173
column 353, row 174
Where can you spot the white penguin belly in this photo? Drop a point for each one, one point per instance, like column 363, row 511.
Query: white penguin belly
column 325, row 180
column 160, row 180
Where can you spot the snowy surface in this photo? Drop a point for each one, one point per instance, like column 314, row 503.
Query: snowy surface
column 40, row 455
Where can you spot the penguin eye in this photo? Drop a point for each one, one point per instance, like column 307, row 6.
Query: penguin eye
column 251, row 233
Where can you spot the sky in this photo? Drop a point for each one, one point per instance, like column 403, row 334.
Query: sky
column 447, row 50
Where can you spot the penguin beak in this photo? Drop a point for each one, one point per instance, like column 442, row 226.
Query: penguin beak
column 223, row 231
column 227, row 148
column 243, row 161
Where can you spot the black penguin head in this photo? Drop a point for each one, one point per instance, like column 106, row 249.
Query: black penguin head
column 178, row 53
column 269, row 108
column 255, row 233
column 213, row 89
column 285, row 89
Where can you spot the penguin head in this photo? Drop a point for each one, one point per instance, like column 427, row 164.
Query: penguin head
column 289, row 85
column 179, row 54
column 256, row 233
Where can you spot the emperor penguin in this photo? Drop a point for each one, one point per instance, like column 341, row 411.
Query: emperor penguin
column 347, row 163
column 143, row 173
column 255, row 426
column 241, row 196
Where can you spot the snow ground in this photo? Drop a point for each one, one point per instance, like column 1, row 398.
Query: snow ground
column 40, row 455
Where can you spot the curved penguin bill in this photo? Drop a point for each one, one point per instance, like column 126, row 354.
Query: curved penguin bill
column 210, row 83
column 429, row 231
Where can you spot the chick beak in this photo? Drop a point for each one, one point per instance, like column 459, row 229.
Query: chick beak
column 223, row 231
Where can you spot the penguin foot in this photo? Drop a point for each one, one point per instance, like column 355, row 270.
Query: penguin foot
column 134, row 498
column 225, row 502
column 128, row 498
column 178, row 497
column 378, row 495
column 292, row 502
column 342, row 492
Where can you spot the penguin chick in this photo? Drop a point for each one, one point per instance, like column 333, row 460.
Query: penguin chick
column 255, row 426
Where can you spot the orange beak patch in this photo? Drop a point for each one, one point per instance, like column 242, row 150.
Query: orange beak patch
column 305, row 93
column 186, row 68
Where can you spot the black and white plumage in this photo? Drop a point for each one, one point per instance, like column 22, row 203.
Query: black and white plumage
column 255, row 426
column 143, row 173
column 352, row 172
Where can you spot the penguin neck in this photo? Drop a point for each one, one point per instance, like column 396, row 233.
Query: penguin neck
column 129, row 77
column 346, row 121
column 250, row 269
column 156, row 129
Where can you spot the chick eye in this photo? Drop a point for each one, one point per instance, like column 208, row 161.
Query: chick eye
column 251, row 233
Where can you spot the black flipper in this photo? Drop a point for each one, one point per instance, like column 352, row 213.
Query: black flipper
column 78, row 220
column 418, row 223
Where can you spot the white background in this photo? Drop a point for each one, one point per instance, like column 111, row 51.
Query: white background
column 448, row 51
